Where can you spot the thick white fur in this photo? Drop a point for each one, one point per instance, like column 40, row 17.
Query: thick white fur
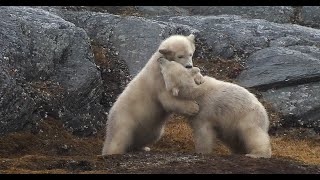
column 138, row 116
column 227, row 111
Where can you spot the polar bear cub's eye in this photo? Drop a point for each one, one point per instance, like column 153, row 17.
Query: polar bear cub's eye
column 190, row 54
column 180, row 56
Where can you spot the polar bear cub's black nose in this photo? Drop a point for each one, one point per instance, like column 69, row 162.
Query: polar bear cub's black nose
column 188, row 66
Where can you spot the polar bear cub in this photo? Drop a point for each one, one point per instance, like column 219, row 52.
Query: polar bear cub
column 138, row 116
column 228, row 111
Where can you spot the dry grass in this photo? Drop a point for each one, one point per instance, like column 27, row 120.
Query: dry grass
column 305, row 150
column 178, row 137
column 51, row 139
column 53, row 150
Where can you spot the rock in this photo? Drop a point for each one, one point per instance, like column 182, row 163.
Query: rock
column 145, row 11
column 230, row 36
column 122, row 45
column 291, row 71
column 129, row 39
column 225, row 36
column 16, row 106
column 136, row 39
column 161, row 11
column 53, row 64
column 276, row 51
column 299, row 104
column 100, row 27
column 278, row 14
column 103, row 9
column 279, row 67
column 310, row 16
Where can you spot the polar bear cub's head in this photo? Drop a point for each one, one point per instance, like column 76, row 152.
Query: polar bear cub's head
column 177, row 77
column 178, row 48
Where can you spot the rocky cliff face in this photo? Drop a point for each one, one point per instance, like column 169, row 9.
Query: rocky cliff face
column 72, row 62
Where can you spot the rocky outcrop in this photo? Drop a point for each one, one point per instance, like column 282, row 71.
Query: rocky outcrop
column 84, row 59
column 279, row 67
column 129, row 39
column 310, row 16
column 289, row 79
column 278, row 14
column 230, row 36
column 47, row 70
column 148, row 11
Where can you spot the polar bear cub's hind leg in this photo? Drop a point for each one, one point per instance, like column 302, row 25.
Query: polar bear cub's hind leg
column 259, row 146
column 256, row 142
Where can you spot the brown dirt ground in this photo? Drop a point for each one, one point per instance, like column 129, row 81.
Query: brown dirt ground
column 53, row 150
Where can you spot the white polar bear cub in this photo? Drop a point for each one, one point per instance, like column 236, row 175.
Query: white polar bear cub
column 138, row 116
column 227, row 111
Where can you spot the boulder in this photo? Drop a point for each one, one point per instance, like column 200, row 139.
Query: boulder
column 148, row 11
column 279, row 67
column 299, row 104
column 278, row 14
column 275, row 55
column 230, row 36
column 51, row 61
column 289, row 80
column 310, row 16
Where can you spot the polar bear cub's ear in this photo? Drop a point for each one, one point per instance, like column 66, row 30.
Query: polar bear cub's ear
column 165, row 52
column 191, row 37
column 162, row 60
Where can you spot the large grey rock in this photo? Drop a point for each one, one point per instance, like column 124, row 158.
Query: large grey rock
column 279, row 67
column 16, row 106
column 229, row 36
column 289, row 80
column 279, row 54
column 311, row 50
column 51, row 61
column 226, row 36
column 279, row 14
column 310, row 15
column 129, row 39
column 114, row 70
column 299, row 104
column 103, row 9
column 162, row 11
column 136, row 39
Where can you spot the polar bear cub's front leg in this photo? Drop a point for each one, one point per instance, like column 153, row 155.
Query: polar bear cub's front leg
column 204, row 136
column 184, row 107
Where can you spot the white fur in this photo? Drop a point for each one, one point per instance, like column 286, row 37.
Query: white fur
column 138, row 116
column 227, row 111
